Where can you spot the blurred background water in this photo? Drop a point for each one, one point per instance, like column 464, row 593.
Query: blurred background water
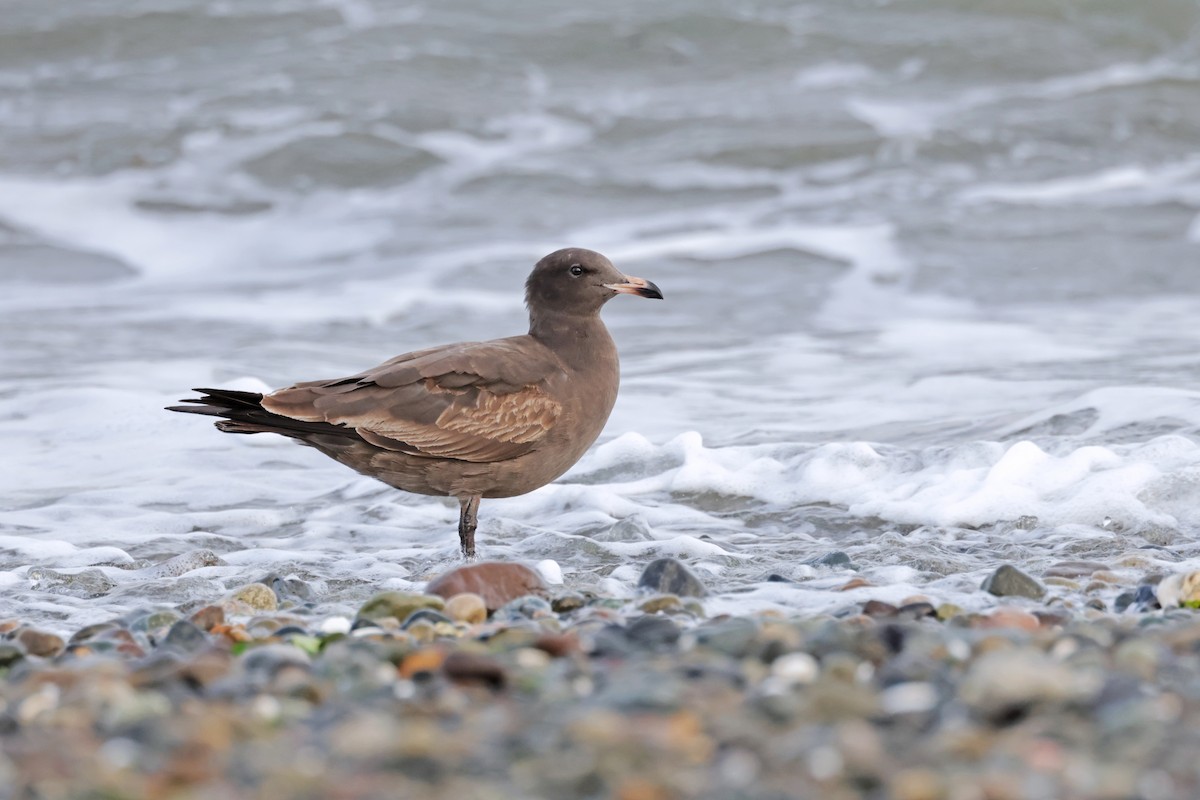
column 930, row 268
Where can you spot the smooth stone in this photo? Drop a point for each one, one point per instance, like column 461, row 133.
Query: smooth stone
column 854, row 583
column 1065, row 583
column 40, row 643
column 611, row 641
column 268, row 659
column 550, row 571
column 917, row 783
column 1008, row 581
column 1180, row 589
column 671, row 576
column 878, row 608
column 186, row 636
column 467, row 607
column 422, row 630
column 155, row 622
column 735, row 636
column 666, row 603
column 497, row 582
column 1124, row 600
column 947, row 611
column 1073, row 569
column 653, row 632
column 1145, row 598
column 287, row 631
column 208, row 617
column 527, row 607
column 835, row 558
column 567, row 603
column 10, row 654
column 1051, row 619
column 1004, row 682
column 94, row 631
column 466, row 667
column 426, row 615
column 795, row 668
column 557, row 645
column 1009, row 617
column 332, row 626
column 917, row 610
column 288, row 588
column 251, row 598
column 181, row 564
column 397, row 606
column 86, row 584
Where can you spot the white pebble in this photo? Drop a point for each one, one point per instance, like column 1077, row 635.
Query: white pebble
column 335, row 625
column 794, row 668
column 911, row 697
column 550, row 571
column 266, row 708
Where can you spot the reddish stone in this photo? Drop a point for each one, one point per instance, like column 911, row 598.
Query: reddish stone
column 557, row 645
column 462, row 667
column 1011, row 617
column 854, row 583
column 40, row 643
column 1050, row 619
column 423, row 661
column 496, row 582
column 208, row 617
column 878, row 608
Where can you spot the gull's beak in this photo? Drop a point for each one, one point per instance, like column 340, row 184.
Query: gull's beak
column 636, row 286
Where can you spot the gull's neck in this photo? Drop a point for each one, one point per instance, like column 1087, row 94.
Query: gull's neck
column 578, row 339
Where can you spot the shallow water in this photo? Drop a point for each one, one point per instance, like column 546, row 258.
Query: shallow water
column 931, row 276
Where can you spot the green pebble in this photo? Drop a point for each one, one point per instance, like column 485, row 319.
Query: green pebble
column 398, row 605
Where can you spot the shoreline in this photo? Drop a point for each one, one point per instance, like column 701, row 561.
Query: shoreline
column 515, row 691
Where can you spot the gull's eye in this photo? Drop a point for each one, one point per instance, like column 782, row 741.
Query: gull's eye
column 576, row 270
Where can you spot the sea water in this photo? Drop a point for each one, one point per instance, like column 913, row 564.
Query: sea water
column 930, row 269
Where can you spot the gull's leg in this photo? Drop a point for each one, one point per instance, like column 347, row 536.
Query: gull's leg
column 468, row 519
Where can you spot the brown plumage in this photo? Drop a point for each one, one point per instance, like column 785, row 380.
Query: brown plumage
column 468, row 420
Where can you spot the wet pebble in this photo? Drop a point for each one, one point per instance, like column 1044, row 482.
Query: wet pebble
column 653, row 632
column 735, row 636
column 467, row 607
column 186, row 637
column 527, row 607
column 671, row 576
column 208, row 617
column 835, row 558
column 397, row 606
column 40, row 643
column 250, row 599
column 496, row 582
column 1008, row 581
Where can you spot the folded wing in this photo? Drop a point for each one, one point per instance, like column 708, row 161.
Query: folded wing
column 476, row 401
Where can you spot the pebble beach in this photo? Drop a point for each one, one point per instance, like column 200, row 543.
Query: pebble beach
column 900, row 497
column 492, row 684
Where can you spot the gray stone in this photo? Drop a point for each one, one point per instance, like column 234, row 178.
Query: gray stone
column 186, row 637
column 835, row 558
column 1002, row 682
column 734, row 636
column 1008, row 581
column 528, row 607
column 653, row 632
column 292, row 589
column 670, row 576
